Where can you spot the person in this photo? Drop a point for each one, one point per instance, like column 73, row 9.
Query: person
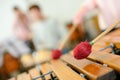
column 21, row 29
column 47, row 33
column 14, row 46
column 16, row 43
column 21, row 25
column 109, row 12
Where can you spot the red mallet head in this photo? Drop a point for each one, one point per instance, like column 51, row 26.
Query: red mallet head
column 56, row 54
column 82, row 50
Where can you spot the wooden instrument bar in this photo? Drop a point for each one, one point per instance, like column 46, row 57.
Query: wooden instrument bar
column 94, row 71
column 23, row 76
column 111, row 60
column 63, row 71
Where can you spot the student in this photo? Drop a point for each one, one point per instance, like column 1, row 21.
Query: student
column 20, row 35
column 47, row 34
column 109, row 12
column 21, row 29
column 21, row 26
column 13, row 47
column 16, row 43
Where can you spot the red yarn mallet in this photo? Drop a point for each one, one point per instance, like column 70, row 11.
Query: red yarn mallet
column 83, row 49
column 58, row 52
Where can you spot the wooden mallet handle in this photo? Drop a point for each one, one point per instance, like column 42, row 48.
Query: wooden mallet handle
column 67, row 38
column 106, row 31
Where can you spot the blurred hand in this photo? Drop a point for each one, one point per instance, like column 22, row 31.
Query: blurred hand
column 77, row 20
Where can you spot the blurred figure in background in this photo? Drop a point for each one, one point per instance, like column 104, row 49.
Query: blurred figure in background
column 15, row 46
column 47, row 33
column 109, row 12
column 20, row 27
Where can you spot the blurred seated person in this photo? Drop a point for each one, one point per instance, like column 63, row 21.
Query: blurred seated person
column 47, row 33
column 109, row 11
column 14, row 46
column 21, row 28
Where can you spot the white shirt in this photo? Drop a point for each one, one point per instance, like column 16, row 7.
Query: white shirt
column 47, row 34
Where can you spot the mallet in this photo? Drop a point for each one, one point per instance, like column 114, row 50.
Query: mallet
column 83, row 49
column 58, row 52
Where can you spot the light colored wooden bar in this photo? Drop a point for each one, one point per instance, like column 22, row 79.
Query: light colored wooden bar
column 42, row 56
column 23, row 76
column 45, row 68
column 12, row 78
column 110, row 59
column 34, row 73
column 114, row 33
column 113, row 37
column 63, row 72
column 94, row 71
column 104, row 57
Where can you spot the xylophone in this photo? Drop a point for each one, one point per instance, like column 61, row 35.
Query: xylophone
column 99, row 65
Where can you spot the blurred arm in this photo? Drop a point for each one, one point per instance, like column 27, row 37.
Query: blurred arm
column 87, row 6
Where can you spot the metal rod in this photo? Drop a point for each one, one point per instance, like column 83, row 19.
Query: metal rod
column 41, row 76
column 105, row 48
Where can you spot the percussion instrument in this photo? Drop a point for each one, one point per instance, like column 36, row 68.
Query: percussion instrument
column 99, row 65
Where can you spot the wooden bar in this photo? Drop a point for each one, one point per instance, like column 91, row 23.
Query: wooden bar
column 45, row 68
column 110, row 59
column 34, row 73
column 94, row 71
column 63, row 72
column 23, row 76
column 12, row 78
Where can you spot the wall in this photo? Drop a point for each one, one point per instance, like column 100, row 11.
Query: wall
column 63, row 10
